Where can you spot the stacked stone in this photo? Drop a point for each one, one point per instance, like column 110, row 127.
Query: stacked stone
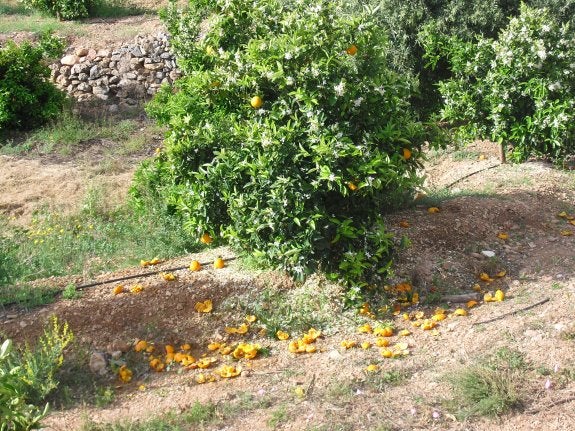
column 122, row 76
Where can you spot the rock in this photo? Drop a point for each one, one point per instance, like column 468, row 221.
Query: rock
column 84, row 87
column 80, row 68
column 100, row 90
column 69, row 60
column 130, row 75
column 488, row 253
column 81, row 52
column 334, row 355
column 63, row 81
column 95, row 72
column 154, row 66
column 11, row 316
column 98, row 363
column 103, row 53
column 113, row 108
column 137, row 51
column 116, row 355
column 92, row 54
column 83, row 77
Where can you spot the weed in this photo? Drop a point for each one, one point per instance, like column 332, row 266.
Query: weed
column 70, row 292
column 513, row 359
column 379, row 381
column 199, row 413
column 104, row 396
column 490, row 387
column 339, row 392
column 278, row 416
column 313, row 304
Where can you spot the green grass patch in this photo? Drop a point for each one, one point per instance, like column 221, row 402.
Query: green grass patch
column 490, row 387
column 116, row 9
column 38, row 24
column 13, row 8
column 65, row 135
column 94, row 240
column 199, row 416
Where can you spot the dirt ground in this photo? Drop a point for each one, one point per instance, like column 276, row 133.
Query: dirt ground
column 443, row 254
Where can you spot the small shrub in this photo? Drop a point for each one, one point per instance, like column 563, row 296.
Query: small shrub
column 27, row 98
column 28, row 376
column 517, row 90
column 288, row 136
column 61, row 9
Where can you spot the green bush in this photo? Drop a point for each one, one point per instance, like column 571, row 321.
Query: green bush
column 518, row 90
column 28, row 376
column 302, row 180
column 27, row 98
column 61, row 9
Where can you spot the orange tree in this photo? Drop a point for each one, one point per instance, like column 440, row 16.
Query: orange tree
column 288, row 135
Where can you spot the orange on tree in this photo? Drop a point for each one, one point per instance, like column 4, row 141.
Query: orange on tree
column 256, row 102
column 352, row 50
column 206, row 239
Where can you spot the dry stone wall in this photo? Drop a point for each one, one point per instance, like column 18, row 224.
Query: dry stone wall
column 123, row 77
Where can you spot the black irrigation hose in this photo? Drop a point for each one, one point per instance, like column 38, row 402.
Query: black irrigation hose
column 115, row 280
column 147, row 274
column 471, row 174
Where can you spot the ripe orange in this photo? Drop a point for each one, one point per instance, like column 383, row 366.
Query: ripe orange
column 195, row 265
column 219, row 263
column 256, row 102
column 406, row 153
column 352, row 50
column 206, row 239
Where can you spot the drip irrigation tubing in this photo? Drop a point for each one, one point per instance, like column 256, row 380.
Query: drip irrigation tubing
column 127, row 277
column 146, row 274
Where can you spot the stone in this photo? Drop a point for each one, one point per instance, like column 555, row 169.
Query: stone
column 63, row 81
column 80, row 68
column 154, row 66
column 98, row 363
column 11, row 316
column 102, row 96
column 334, row 355
column 92, row 54
column 83, row 77
column 166, row 56
column 81, row 52
column 100, row 90
column 130, row 75
column 69, row 60
column 84, row 87
column 65, row 70
column 95, row 72
column 103, row 53
column 114, row 79
column 488, row 253
column 116, row 355
column 113, row 108
column 137, row 51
